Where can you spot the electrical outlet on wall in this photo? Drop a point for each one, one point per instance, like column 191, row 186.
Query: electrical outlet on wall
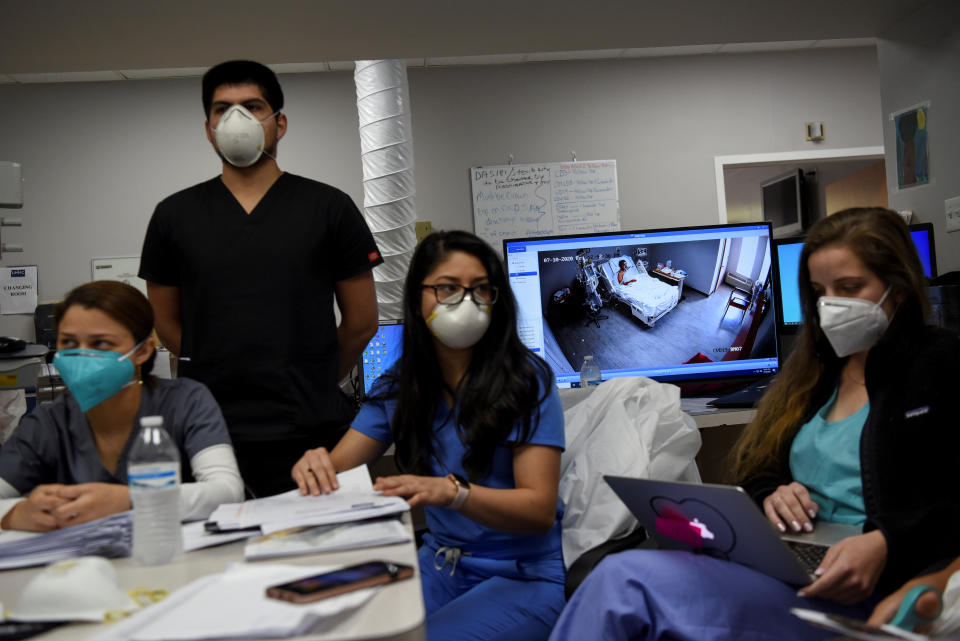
column 952, row 208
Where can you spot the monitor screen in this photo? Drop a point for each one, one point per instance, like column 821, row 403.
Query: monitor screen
column 787, row 258
column 781, row 201
column 681, row 304
column 381, row 352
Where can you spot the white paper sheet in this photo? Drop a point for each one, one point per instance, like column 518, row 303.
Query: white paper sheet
column 354, row 500
column 233, row 605
column 18, row 289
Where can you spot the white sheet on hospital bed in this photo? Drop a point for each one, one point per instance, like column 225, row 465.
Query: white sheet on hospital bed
column 651, row 295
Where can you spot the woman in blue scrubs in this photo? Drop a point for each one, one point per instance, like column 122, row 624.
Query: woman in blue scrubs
column 859, row 428
column 478, row 429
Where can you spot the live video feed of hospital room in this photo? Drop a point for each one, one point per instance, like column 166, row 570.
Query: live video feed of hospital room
column 702, row 327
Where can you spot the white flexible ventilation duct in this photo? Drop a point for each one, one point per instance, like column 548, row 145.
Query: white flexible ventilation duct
column 386, row 149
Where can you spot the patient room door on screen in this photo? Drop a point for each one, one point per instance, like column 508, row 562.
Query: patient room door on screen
column 722, row 259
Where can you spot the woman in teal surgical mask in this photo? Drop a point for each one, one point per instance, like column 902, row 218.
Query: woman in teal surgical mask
column 66, row 463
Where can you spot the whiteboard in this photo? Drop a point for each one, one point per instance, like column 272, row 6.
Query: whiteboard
column 544, row 199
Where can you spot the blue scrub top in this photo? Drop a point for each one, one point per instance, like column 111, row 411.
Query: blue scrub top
column 825, row 458
column 452, row 528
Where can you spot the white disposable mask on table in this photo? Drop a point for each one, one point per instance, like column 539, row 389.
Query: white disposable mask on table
column 80, row 589
column 461, row 325
column 852, row 325
column 240, row 136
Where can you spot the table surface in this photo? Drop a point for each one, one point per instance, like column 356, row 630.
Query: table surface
column 667, row 274
column 394, row 613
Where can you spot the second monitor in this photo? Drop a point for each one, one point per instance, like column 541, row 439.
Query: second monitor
column 786, row 253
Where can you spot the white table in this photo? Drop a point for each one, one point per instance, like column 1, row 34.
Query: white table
column 395, row 613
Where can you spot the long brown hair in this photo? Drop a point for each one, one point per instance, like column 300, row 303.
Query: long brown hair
column 121, row 302
column 881, row 240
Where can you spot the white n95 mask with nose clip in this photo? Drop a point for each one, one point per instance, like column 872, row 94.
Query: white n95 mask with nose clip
column 461, row 325
column 240, row 136
column 80, row 589
column 852, row 324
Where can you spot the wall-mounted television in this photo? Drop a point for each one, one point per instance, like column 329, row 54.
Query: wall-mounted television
column 679, row 304
column 786, row 257
column 782, row 203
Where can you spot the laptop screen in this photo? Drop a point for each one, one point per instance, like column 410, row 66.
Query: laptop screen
column 381, row 353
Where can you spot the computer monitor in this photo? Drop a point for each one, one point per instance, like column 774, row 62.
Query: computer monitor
column 786, row 255
column 381, row 352
column 782, row 203
column 680, row 304
column 922, row 235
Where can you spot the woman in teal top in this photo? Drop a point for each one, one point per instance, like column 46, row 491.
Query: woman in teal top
column 859, row 427
column 478, row 429
column 825, row 459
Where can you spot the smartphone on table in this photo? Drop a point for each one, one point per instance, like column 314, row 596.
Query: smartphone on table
column 353, row 577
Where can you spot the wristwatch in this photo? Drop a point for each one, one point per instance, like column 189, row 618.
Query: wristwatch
column 463, row 491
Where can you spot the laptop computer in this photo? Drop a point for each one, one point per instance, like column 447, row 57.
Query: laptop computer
column 724, row 522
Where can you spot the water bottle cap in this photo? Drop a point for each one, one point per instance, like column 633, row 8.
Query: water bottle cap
column 151, row 421
column 588, row 358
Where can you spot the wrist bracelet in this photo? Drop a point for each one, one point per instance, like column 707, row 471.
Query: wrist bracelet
column 463, row 491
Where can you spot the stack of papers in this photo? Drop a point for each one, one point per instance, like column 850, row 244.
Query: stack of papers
column 354, row 501
column 196, row 537
column 111, row 536
column 327, row 538
column 234, row 605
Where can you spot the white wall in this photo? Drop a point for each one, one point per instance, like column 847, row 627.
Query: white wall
column 97, row 157
column 920, row 61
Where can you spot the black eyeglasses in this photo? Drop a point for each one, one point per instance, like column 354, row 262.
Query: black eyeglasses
column 453, row 293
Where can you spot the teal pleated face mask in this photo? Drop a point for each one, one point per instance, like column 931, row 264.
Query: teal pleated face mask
column 94, row 375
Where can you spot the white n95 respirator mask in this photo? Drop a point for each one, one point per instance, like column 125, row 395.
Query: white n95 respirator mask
column 852, row 324
column 240, row 136
column 461, row 325
column 80, row 589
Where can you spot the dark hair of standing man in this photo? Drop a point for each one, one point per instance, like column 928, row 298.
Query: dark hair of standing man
column 242, row 72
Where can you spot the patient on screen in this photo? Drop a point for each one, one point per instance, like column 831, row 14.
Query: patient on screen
column 857, row 429
column 622, row 273
column 67, row 461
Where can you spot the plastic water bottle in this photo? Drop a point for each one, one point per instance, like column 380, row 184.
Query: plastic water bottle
column 589, row 373
column 153, row 472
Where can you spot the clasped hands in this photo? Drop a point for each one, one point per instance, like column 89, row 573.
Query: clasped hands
column 315, row 474
column 54, row 506
column 850, row 570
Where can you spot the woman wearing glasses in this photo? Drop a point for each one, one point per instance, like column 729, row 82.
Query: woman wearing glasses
column 478, row 430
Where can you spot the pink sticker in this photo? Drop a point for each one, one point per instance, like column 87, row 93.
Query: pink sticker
column 680, row 530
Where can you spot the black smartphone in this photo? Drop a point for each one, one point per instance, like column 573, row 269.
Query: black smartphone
column 354, row 577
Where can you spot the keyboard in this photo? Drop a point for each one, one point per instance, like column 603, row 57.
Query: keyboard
column 809, row 554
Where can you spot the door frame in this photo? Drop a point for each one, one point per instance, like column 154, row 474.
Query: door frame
column 720, row 162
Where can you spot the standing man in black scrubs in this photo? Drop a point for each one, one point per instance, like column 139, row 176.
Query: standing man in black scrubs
column 242, row 271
